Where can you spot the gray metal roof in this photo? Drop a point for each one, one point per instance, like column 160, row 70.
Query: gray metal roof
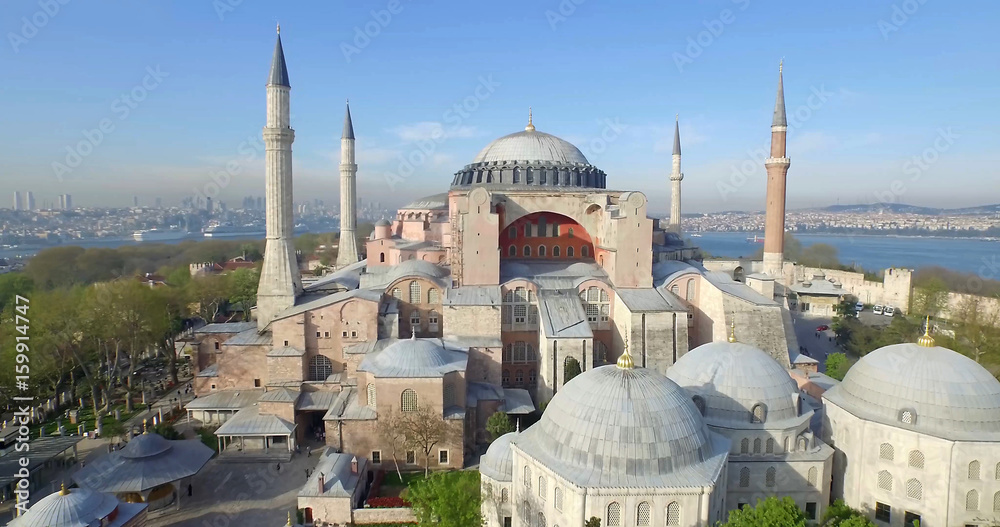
column 348, row 132
column 531, row 145
column 416, row 358
column 498, row 461
column 250, row 337
column 517, row 401
column 473, row 295
column 211, row 371
column 286, row 351
column 566, row 274
column 481, row 391
column 950, row 395
column 561, row 314
column 310, row 302
column 434, row 201
column 732, row 378
column 347, row 408
column 147, row 461
column 348, row 277
column 727, row 285
column 250, row 422
column 339, row 481
column 78, row 507
column 380, row 277
column 226, row 327
column 779, row 103
column 280, row 395
column 819, row 285
column 40, row 451
column 225, row 400
column 316, row 401
column 649, row 300
column 279, row 72
column 666, row 271
column 613, row 427
column 677, row 138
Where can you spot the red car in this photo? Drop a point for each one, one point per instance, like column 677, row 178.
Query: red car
column 824, row 327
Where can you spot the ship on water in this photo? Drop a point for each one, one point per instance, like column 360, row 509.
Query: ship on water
column 159, row 235
column 230, row 231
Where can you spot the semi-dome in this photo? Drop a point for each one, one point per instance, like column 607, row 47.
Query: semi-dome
column 77, row 507
column 497, row 462
column 926, row 388
column 618, row 426
column 415, row 358
column 530, row 145
column 145, row 445
column 730, row 379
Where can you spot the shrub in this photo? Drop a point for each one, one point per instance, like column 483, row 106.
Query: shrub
column 386, row 502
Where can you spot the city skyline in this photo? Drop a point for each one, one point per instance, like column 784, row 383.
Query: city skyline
column 854, row 128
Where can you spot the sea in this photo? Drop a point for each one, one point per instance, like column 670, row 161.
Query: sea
column 871, row 252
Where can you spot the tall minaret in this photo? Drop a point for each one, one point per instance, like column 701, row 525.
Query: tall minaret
column 347, row 251
column 675, row 181
column 279, row 278
column 777, row 169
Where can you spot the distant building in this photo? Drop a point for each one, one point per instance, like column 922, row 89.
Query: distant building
column 29, row 200
column 65, row 202
column 18, row 200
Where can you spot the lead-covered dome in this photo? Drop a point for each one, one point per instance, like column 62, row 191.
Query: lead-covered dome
column 497, row 462
column 928, row 389
column 614, row 426
column 69, row 508
column 728, row 380
column 531, row 145
column 415, row 358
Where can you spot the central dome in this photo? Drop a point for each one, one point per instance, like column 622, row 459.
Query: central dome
column 531, row 145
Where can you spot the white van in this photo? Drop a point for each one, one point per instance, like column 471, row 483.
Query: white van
column 877, row 309
column 859, row 307
column 889, row 311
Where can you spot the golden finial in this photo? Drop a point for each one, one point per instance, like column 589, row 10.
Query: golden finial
column 625, row 361
column 530, row 127
column 926, row 340
column 145, row 427
column 279, row 28
column 63, row 491
column 677, row 117
column 781, row 64
column 289, row 518
column 732, row 330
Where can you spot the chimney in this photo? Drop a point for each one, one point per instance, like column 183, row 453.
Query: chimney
column 354, row 465
column 322, row 483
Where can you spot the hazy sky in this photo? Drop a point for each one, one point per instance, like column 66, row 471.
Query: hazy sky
column 179, row 90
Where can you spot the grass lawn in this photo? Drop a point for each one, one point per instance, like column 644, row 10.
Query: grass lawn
column 393, row 487
column 86, row 416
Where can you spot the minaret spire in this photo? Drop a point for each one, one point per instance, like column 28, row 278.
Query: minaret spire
column 530, row 127
column 347, row 249
column 675, row 180
column 280, row 281
column 777, row 171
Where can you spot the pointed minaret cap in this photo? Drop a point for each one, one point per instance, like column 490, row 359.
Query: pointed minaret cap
column 779, row 103
column 348, row 124
column 677, row 135
column 530, row 127
column 625, row 361
column 289, row 518
column 279, row 72
column 732, row 331
column 63, row 491
column 926, row 340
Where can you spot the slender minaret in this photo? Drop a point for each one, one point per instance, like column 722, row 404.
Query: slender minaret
column 279, row 278
column 347, row 251
column 777, row 169
column 675, row 181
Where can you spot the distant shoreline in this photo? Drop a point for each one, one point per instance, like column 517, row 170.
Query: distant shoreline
column 845, row 235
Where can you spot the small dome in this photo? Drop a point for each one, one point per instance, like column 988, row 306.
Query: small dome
column 929, row 389
column 382, row 223
column 530, row 145
column 732, row 378
column 434, row 201
column 145, row 445
column 418, row 268
column 497, row 462
column 414, row 358
column 612, row 426
column 77, row 507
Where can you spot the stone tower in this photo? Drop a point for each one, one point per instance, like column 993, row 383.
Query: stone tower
column 279, row 279
column 347, row 251
column 675, row 181
column 777, row 169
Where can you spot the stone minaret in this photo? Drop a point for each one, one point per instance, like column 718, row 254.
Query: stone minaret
column 675, row 181
column 279, row 278
column 777, row 169
column 347, row 251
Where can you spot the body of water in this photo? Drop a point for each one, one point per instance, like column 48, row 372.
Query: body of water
column 874, row 253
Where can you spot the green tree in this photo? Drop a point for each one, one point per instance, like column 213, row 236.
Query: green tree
column 447, row 499
column 594, row 521
column 423, row 430
column 819, row 255
column 976, row 328
column 837, row 365
column 209, row 294
column 169, row 309
column 12, row 284
column 929, row 297
column 54, row 267
column 113, row 429
column 571, row 368
column 241, row 285
column 499, row 424
column 840, row 515
column 770, row 512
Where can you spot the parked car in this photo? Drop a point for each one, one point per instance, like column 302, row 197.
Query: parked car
column 889, row 311
column 859, row 307
column 824, row 327
column 877, row 309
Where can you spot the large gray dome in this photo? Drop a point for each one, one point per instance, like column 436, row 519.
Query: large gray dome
column 531, row 145
column 928, row 389
column 69, row 508
column 731, row 378
column 620, row 427
column 497, row 462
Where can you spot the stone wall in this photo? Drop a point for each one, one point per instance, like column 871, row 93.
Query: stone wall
column 472, row 321
column 391, row 515
column 988, row 307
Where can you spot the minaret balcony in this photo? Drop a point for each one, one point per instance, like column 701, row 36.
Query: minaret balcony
column 777, row 161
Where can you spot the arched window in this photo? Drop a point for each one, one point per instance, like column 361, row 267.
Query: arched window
column 758, row 414
column 541, row 517
column 614, row 514
column 690, row 291
column 371, row 395
column 908, row 417
column 886, row 452
column 916, row 459
column 555, row 251
column 756, row 446
column 996, row 502
column 745, row 446
column 541, row 487
column 744, row 477
column 699, row 403
column 642, row 514
column 675, row 289
column 600, row 353
column 512, row 251
column 433, row 296
column 914, row 489
column 673, row 513
column 527, row 477
column 972, row 501
column 526, row 513
column 414, row 292
column 584, row 251
column 997, row 475
column 408, row 401
column 571, row 232
column 769, row 476
column 541, row 250
column 557, row 498
column 803, row 444
column 397, row 294
column 512, row 232
column 812, row 476
column 785, row 445
column 504, row 495
column 885, row 480
column 320, row 368
column 974, row 470
column 449, row 394
column 381, row 257
column 526, row 251
column 769, row 449
column 569, row 252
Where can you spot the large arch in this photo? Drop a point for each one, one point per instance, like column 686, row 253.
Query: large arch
column 547, row 230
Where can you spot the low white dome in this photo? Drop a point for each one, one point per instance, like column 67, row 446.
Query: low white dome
column 497, row 462
column 531, row 145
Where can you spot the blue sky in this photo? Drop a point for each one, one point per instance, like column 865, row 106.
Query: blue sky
column 873, row 84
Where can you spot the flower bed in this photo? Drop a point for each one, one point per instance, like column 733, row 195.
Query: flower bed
column 386, row 502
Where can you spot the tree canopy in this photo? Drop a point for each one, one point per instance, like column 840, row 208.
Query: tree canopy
column 447, row 499
column 770, row 512
column 498, row 424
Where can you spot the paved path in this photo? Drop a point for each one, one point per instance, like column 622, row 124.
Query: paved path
column 818, row 347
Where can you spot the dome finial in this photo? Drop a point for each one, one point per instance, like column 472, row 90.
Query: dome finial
column 926, row 340
column 289, row 518
column 732, row 329
column 413, row 333
column 279, row 28
column 530, row 127
column 145, row 426
column 62, row 490
column 625, row 361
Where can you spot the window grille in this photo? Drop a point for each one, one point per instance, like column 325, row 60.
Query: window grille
column 972, row 501
column 974, row 470
column 770, row 446
column 673, row 513
column 906, row 417
column 886, row 452
column 614, row 514
column 744, row 477
column 414, row 292
column 756, row 446
column 408, row 401
column 557, row 498
column 769, row 476
column 541, row 250
column 745, row 446
column 758, row 414
column 569, row 252
column 371, row 395
column 914, row 489
column 541, row 487
column 541, row 520
column 916, row 459
column 320, row 368
column 885, row 480
column 996, row 502
column 433, row 296
column 812, row 476
column 527, row 477
column 642, row 514
column 555, row 250
column 397, row 294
